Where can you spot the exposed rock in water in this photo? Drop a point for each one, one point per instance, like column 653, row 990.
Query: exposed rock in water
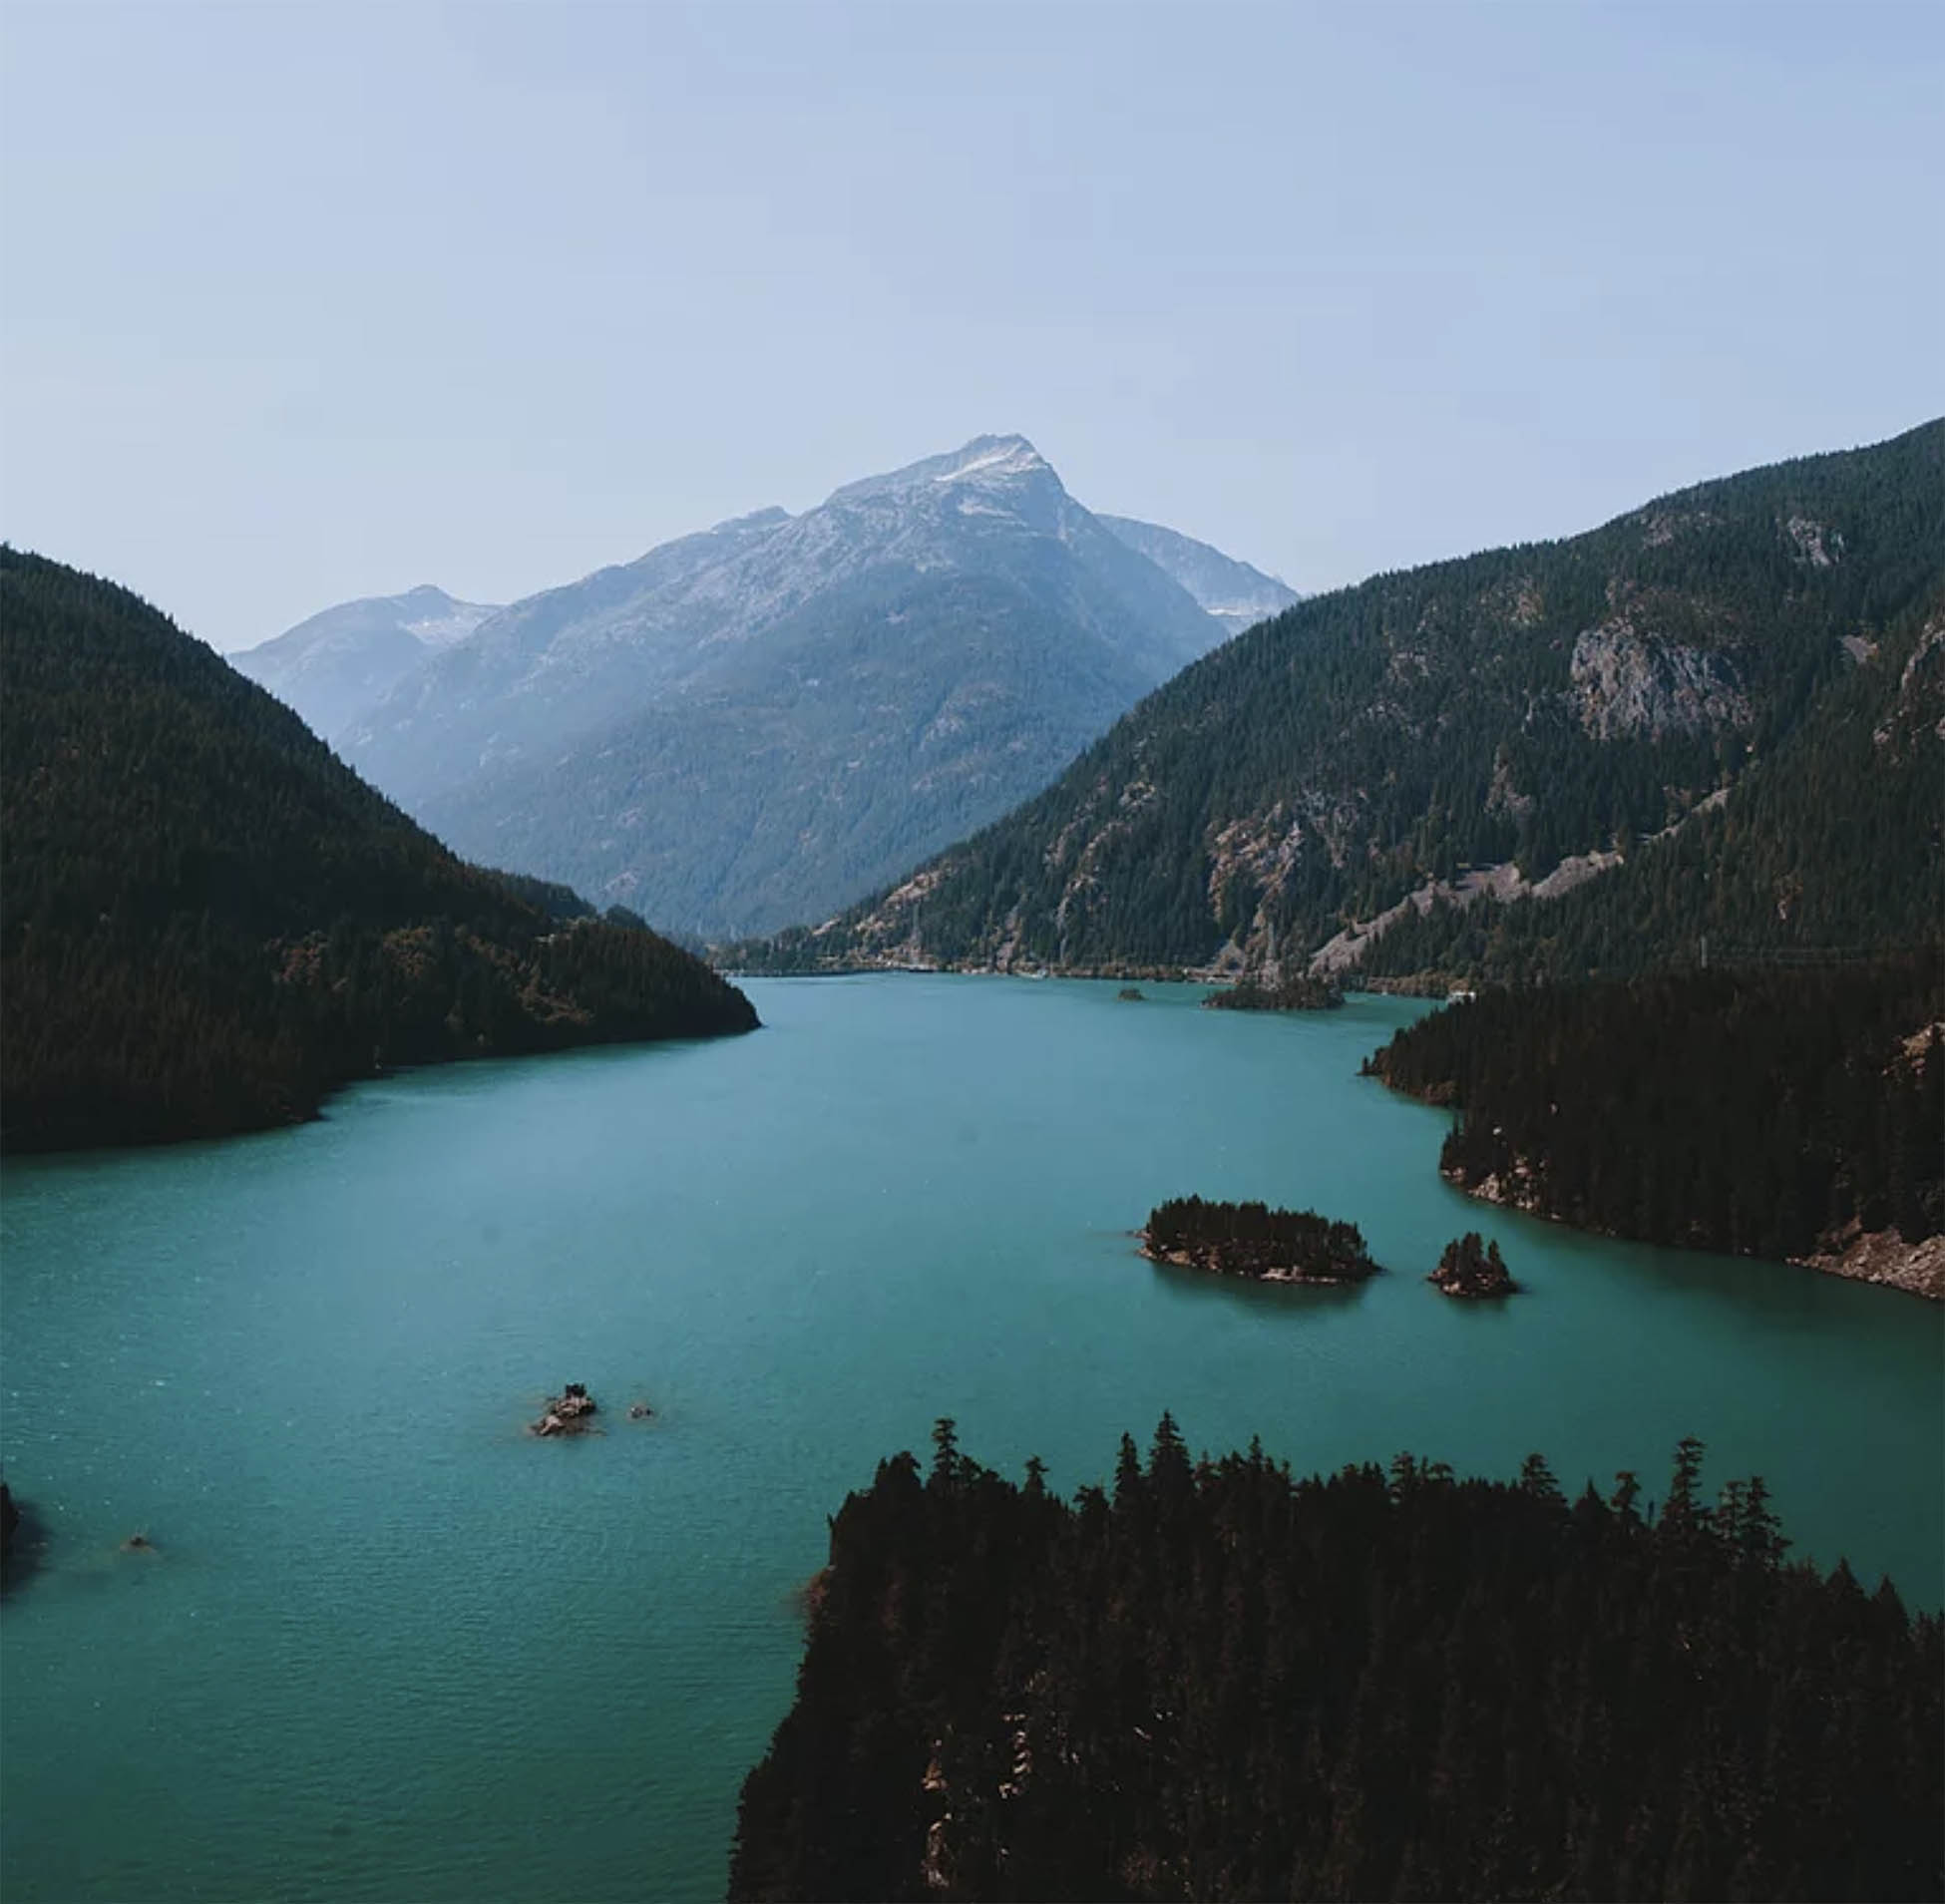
column 640, row 1411
column 9, row 1517
column 137, row 1544
column 1470, row 1265
column 1131, row 995
column 569, row 1412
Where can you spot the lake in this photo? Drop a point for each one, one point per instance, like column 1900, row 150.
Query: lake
column 388, row 1645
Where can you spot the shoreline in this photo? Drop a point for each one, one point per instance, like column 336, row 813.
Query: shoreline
column 1300, row 1278
column 1878, row 1257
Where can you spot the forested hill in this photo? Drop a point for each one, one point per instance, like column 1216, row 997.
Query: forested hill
column 1769, row 1112
column 207, row 922
column 1720, row 713
column 1216, row 1681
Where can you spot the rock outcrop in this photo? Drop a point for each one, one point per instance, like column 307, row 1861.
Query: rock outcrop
column 1627, row 682
column 571, row 1412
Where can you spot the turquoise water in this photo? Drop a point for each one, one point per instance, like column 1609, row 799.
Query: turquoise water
column 390, row 1646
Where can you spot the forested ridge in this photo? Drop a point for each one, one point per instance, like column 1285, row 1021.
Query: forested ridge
column 1769, row 1112
column 1737, row 688
column 1213, row 1680
column 207, row 922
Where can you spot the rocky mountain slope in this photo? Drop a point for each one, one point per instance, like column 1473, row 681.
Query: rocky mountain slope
column 1238, row 595
column 1717, row 715
column 335, row 667
column 209, row 922
column 773, row 717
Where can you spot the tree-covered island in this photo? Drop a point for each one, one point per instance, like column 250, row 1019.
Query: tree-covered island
column 1298, row 991
column 1469, row 1265
column 1253, row 1239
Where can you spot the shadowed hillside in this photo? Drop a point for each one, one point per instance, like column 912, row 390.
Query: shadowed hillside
column 209, row 922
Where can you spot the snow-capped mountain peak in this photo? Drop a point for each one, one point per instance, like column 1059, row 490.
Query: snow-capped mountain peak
column 987, row 462
column 437, row 618
column 993, row 459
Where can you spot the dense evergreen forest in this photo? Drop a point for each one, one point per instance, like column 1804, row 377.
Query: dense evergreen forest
column 206, row 922
column 1216, row 1681
column 1767, row 1111
column 1471, row 1267
column 1251, row 1239
column 1737, row 688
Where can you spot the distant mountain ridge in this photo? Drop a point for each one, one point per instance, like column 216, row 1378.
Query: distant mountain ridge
column 336, row 665
column 773, row 716
column 1238, row 595
column 1721, row 716
column 208, row 923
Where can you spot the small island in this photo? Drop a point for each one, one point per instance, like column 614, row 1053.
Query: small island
column 1299, row 993
column 1251, row 1239
column 571, row 1412
column 1470, row 1265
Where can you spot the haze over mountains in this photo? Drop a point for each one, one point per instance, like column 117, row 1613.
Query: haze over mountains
column 760, row 722
column 1237, row 595
column 1720, row 714
column 336, row 664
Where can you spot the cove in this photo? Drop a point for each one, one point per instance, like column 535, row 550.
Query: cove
column 388, row 1645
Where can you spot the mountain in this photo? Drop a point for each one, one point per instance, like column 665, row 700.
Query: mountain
column 1238, row 595
column 768, row 719
column 1718, row 715
column 208, row 923
column 341, row 662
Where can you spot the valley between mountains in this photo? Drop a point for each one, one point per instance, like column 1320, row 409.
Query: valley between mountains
column 1707, row 734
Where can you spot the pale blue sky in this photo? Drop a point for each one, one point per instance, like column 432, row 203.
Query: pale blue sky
column 301, row 302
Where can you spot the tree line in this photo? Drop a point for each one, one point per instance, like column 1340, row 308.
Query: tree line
column 1214, row 1680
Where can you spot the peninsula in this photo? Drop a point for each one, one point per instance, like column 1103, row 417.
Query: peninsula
column 1797, row 1114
